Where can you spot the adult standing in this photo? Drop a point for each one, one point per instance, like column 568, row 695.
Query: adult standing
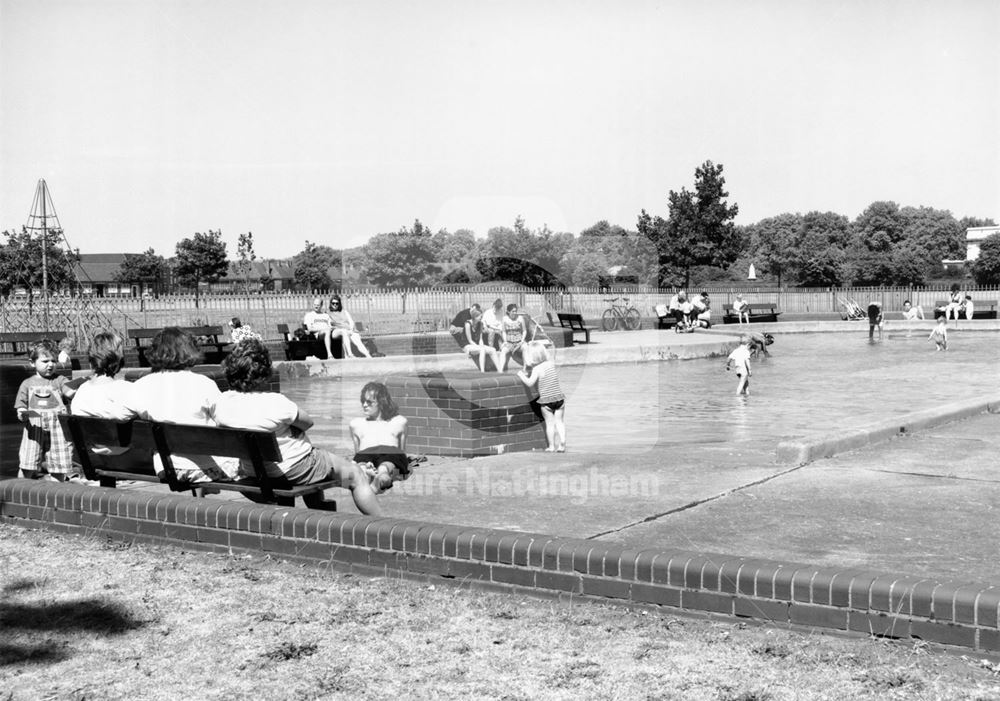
column 466, row 329
column 318, row 323
column 344, row 328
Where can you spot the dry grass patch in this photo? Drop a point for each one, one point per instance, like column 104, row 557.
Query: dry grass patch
column 91, row 619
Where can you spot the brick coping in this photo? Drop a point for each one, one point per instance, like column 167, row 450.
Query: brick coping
column 950, row 613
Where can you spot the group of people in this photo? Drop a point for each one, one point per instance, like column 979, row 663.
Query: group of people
column 501, row 334
column 173, row 392
column 332, row 324
column 690, row 313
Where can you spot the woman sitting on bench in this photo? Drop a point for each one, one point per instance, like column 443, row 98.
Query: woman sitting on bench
column 343, row 327
column 249, row 405
column 173, row 392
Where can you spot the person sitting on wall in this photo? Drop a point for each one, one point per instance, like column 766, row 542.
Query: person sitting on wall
column 493, row 324
column 319, row 323
column 466, row 329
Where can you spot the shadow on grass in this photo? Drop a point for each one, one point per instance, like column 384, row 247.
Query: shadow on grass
column 86, row 615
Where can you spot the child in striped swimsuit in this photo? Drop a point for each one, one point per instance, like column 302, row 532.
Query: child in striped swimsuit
column 540, row 372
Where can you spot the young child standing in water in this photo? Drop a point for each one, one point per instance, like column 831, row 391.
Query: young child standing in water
column 539, row 371
column 939, row 334
column 740, row 360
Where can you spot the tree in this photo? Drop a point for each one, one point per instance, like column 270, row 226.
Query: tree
column 145, row 267
column 770, row 244
column 406, row 258
column 530, row 258
column 986, row 268
column 821, row 249
column 698, row 231
column 21, row 262
column 201, row 258
column 245, row 257
column 313, row 264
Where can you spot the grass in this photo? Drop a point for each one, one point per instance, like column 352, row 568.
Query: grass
column 84, row 618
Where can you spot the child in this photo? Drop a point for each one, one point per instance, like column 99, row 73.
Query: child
column 380, row 438
column 874, row 320
column 742, row 309
column 249, row 405
column 39, row 402
column 740, row 359
column 539, row 371
column 514, row 333
column 939, row 334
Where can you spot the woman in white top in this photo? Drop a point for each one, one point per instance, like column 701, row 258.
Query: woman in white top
column 173, row 392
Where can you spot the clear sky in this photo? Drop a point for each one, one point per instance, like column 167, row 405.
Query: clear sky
column 333, row 120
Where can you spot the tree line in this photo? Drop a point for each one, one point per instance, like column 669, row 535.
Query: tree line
column 695, row 241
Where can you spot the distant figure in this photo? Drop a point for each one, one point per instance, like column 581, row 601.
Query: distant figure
column 968, row 307
column 955, row 299
column 318, row 323
column 540, row 373
column 380, row 438
column 702, row 312
column 237, row 331
column 515, row 333
column 939, row 334
column 911, row 313
column 739, row 360
column 344, row 328
column 874, row 320
column 742, row 310
column 676, row 305
column 466, row 329
column 493, row 324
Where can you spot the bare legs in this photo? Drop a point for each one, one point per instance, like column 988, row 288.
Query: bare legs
column 555, row 428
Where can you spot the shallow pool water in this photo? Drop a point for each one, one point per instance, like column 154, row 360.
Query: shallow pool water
column 809, row 383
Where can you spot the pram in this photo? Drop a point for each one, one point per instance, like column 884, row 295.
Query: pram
column 852, row 310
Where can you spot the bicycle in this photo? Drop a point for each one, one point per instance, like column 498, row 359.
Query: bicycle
column 620, row 315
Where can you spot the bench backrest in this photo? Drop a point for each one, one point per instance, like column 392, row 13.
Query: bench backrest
column 213, row 331
column 257, row 447
column 20, row 340
column 570, row 319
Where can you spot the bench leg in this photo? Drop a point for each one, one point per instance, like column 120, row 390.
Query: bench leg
column 316, row 500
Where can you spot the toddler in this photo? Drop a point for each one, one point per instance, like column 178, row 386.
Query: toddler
column 939, row 334
column 540, row 372
column 39, row 402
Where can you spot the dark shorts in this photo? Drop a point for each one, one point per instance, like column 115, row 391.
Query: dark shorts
column 379, row 454
column 553, row 406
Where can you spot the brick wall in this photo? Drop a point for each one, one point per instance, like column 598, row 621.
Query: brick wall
column 466, row 413
column 848, row 600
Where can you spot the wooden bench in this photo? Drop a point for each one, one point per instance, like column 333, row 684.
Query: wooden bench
column 980, row 310
column 302, row 348
column 664, row 318
column 140, row 439
column 207, row 338
column 17, row 344
column 574, row 322
column 764, row 311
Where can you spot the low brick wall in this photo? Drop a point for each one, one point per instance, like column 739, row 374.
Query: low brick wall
column 466, row 413
column 850, row 600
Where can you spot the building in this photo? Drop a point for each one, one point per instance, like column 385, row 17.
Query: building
column 974, row 236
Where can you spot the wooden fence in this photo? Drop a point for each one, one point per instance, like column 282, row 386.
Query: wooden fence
column 388, row 311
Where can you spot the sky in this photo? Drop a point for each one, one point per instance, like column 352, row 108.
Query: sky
column 331, row 121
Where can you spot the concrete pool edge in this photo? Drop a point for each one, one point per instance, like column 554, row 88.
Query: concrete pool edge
column 801, row 451
column 853, row 600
